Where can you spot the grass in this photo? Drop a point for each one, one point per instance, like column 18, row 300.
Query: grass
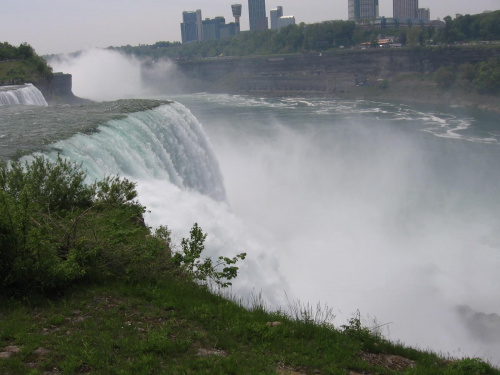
column 178, row 327
column 17, row 70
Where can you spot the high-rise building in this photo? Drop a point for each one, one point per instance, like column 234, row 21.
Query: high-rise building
column 191, row 26
column 424, row 14
column 257, row 15
column 362, row 9
column 405, row 8
column 211, row 28
column 285, row 21
column 275, row 15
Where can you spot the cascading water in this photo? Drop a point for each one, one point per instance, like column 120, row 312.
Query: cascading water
column 163, row 143
column 25, row 95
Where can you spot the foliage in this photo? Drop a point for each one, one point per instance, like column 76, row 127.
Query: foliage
column 24, row 64
column 355, row 329
column 51, row 223
column 205, row 270
column 484, row 26
column 487, row 80
column 483, row 77
column 56, row 230
column 471, row 366
column 445, row 76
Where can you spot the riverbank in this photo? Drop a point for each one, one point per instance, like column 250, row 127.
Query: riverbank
column 419, row 89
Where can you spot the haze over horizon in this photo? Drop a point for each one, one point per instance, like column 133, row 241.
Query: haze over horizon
column 57, row 26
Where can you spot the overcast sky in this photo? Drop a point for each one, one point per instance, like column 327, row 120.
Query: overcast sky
column 55, row 26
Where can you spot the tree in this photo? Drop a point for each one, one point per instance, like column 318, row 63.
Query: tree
column 445, row 76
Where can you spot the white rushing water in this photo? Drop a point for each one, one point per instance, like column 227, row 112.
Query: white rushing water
column 382, row 208
column 25, row 95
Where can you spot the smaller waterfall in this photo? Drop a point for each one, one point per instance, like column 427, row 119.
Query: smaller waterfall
column 25, row 95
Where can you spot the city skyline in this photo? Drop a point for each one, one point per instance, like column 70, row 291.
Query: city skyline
column 58, row 26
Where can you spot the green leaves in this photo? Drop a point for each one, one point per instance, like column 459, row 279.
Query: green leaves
column 204, row 270
column 55, row 229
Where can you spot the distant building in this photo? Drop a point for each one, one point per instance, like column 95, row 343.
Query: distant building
column 405, row 23
column 278, row 20
column 362, row 9
column 424, row 13
column 275, row 15
column 236, row 9
column 217, row 28
column 229, row 29
column 285, row 21
column 257, row 15
column 191, row 26
column 211, row 28
column 405, row 9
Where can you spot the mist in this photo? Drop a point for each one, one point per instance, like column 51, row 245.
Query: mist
column 363, row 214
column 357, row 206
column 104, row 75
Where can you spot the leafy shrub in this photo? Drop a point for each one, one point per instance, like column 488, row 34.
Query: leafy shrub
column 488, row 77
column 188, row 260
column 54, row 227
column 56, row 230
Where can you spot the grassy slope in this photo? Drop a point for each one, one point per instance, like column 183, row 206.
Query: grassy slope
column 176, row 327
column 22, row 71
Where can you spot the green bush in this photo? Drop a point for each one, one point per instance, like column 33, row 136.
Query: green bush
column 188, row 260
column 55, row 229
column 488, row 77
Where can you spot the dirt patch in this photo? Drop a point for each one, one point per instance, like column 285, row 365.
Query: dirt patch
column 389, row 361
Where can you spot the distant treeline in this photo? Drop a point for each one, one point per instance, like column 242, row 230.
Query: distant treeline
column 324, row 36
column 484, row 26
column 21, row 64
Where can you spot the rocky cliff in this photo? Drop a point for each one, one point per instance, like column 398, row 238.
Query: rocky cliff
column 329, row 73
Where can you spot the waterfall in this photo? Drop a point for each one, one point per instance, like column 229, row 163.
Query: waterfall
column 25, row 95
column 165, row 143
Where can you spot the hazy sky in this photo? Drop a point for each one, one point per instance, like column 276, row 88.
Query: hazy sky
column 54, row 26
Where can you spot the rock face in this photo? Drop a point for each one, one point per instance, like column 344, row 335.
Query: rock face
column 315, row 73
column 59, row 90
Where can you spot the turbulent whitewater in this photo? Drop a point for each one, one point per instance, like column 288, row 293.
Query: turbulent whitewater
column 381, row 207
column 25, row 95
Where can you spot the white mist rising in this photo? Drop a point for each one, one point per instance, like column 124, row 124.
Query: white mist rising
column 104, row 75
column 363, row 214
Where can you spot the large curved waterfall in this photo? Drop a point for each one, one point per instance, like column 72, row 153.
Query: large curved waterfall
column 165, row 143
column 26, row 95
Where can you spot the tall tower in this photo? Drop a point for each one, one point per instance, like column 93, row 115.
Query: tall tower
column 257, row 15
column 405, row 8
column 362, row 9
column 236, row 8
